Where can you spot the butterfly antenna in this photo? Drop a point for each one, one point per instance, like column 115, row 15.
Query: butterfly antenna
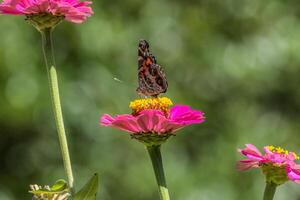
column 122, row 82
column 118, row 80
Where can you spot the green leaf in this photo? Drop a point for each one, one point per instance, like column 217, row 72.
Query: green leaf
column 89, row 191
column 59, row 185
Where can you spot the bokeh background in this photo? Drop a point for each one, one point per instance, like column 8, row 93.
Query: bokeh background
column 238, row 61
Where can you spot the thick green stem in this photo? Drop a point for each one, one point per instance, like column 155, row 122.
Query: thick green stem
column 54, row 91
column 270, row 191
column 155, row 155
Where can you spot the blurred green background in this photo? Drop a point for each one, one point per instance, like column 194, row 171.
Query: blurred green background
column 238, row 61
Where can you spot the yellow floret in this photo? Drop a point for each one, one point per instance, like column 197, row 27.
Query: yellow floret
column 296, row 156
column 159, row 103
column 282, row 151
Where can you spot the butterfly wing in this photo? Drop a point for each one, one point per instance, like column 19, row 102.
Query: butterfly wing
column 151, row 77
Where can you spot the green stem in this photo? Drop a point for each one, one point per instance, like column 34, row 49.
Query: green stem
column 269, row 191
column 155, row 155
column 53, row 83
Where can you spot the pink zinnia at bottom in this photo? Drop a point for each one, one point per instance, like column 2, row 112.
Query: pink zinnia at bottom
column 277, row 164
column 72, row 10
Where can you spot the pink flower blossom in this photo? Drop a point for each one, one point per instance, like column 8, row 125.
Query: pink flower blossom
column 72, row 10
column 154, row 121
column 275, row 162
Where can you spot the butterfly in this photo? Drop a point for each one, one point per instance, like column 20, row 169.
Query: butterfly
column 151, row 77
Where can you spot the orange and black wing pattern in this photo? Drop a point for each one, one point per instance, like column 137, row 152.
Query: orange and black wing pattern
column 151, row 77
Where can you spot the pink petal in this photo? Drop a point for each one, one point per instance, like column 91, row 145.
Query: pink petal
column 5, row 9
column 171, row 126
column 165, row 126
column 291, row 156
column 251, row 152
column 267, row 150
column 185, row 115
column 148, row 119
column 106, row 120
column 126, row 125
column 293, row 172
column 243, row 165
column 155, row 121
column 122, row 122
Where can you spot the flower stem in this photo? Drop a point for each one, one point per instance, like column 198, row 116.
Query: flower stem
column 269, row 191
column 155, row 155
column 53, row 83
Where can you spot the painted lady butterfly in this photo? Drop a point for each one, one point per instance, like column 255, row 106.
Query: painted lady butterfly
column 151, row 77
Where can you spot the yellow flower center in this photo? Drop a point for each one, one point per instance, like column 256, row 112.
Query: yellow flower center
column 159, row 103
column 282, row 151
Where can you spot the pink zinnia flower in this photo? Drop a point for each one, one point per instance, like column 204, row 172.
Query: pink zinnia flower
column 71, row 10
column 152, row 118
column 276, row 163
